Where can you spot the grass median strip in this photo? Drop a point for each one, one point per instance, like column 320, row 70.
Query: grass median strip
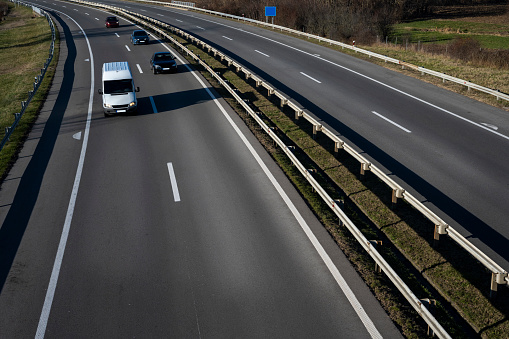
column 25, row 39
column 446, row 273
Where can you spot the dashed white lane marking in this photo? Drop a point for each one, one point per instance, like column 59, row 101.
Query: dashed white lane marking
column 257, row 51
column 173, row 179
column 304, row 74
column 390, row 121
column 154, row 108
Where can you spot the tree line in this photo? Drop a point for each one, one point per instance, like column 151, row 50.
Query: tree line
column 363, row 20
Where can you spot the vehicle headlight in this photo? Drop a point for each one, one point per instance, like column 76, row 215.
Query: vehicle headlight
column 131, row 104
column 108, row 105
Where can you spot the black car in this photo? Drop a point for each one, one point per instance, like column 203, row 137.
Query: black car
column 139, row 37
column 111, row 21
column 163, row 62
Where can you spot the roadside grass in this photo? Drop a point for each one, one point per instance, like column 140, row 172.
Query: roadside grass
column 493, row 36
column 445, row 273
column 25, row 40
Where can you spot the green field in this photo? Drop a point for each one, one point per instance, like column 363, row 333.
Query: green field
column 493, row 36
column 25, row 40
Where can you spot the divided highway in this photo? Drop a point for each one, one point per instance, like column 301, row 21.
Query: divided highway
column 449, row 151
column 170, row 223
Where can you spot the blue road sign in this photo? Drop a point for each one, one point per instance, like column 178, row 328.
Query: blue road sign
column 270, row 10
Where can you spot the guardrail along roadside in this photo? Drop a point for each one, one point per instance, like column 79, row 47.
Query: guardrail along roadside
column 498, row 275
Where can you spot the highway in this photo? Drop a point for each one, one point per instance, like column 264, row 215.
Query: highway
column 449, row 151
column 170, row 223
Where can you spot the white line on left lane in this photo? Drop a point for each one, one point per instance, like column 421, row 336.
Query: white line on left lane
column 52, row 285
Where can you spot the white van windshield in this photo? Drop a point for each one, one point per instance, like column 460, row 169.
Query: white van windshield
column 118, row 86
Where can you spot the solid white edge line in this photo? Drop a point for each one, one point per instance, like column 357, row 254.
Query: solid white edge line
column 50, row 293
column 304, row 74
column 361, row 313
column 139, row 68
column 154, row 108
column 390, row 121
column 173, row 180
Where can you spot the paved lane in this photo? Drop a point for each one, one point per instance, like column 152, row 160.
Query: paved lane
column 228, row 258
column 432, row 141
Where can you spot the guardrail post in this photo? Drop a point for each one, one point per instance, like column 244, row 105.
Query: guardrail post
column 364, row 168
column 496, row 279
column 341, row 204
column 430, row 305
column 439, row 229
column 337, row 146
column 377, row 244
column 298, row 114
column 494, row 285
column 396, row 193
column 316, row 129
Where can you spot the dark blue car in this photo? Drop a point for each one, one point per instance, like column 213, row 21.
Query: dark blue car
column 139, row 37
column 163, row 62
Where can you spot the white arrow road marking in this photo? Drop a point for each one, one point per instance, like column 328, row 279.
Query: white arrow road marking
column 176, row 195
column 392, row 122
column 77, row 136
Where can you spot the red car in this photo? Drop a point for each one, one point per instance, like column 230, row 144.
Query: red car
column 111, row 21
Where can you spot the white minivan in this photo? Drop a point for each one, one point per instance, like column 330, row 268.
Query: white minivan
column 118, row 89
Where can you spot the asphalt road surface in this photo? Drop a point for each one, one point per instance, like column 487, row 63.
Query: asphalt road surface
column 170, row 223
column 449, row 151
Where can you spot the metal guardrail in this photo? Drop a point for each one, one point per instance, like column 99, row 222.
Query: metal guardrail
column 38, row 78
column 499, row 95
column 499, row 275
column 415, row 302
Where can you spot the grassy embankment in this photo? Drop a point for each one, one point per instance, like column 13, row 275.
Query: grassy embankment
column 25, row 40
column 434, row 44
